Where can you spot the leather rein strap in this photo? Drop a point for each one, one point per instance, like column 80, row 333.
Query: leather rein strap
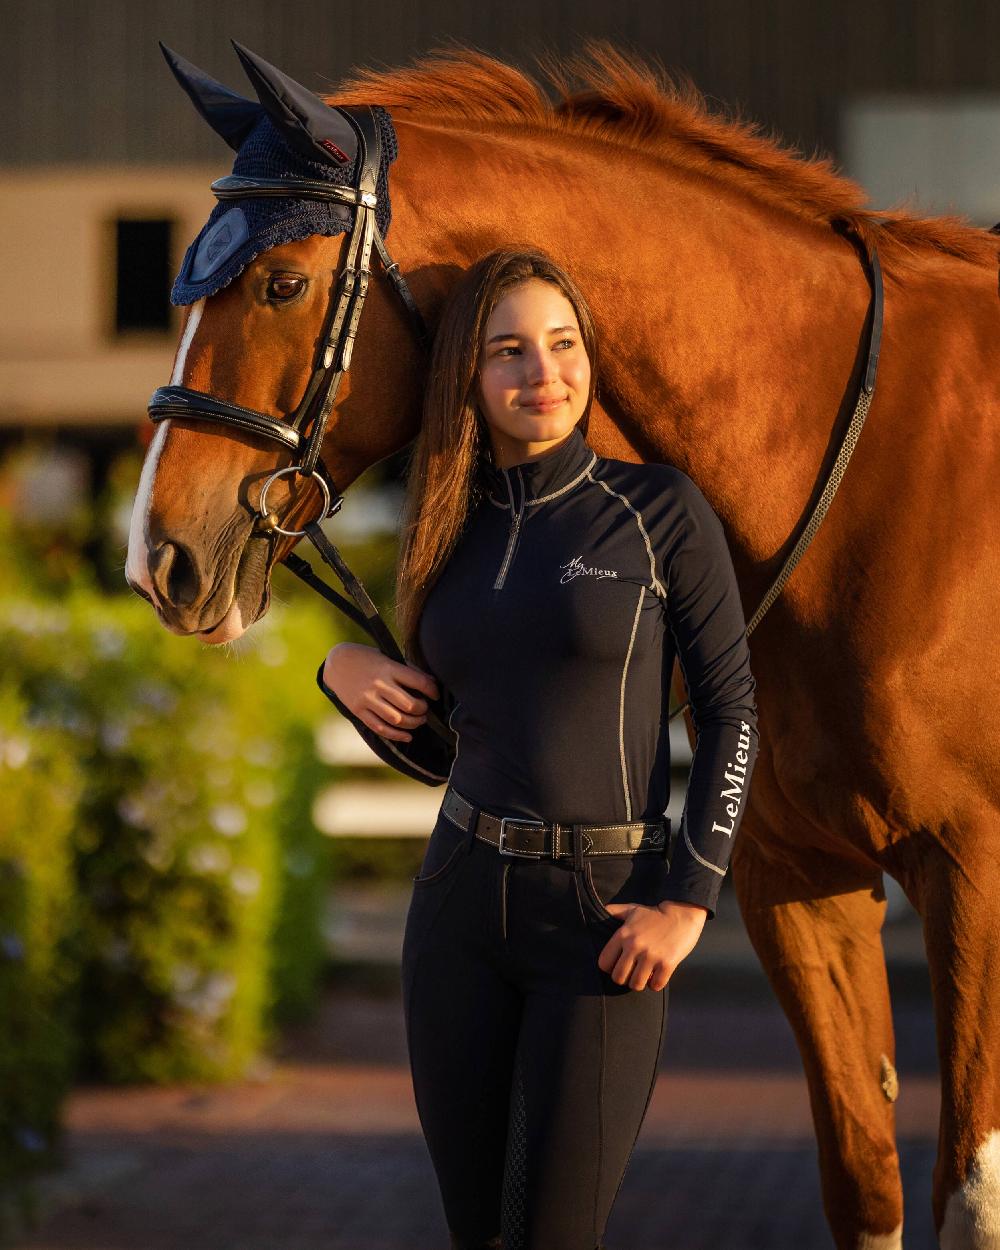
column 844, row 453
column 302, row 434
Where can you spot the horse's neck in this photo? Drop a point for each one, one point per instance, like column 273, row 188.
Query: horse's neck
column 729, row 329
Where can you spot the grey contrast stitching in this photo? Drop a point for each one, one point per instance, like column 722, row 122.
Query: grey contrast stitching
column 657, row 586
column 563, row 489
column 714, row 867
column 458, row 740
column 646, row 824
column 637, row 851
column 579, row 899
column 621, row 706
column 595, row 898
column 563, row 826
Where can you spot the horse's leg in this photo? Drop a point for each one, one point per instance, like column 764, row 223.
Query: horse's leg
column 957, row 900
column 823, row 956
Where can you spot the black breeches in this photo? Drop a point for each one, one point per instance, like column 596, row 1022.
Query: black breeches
column 532, row 1069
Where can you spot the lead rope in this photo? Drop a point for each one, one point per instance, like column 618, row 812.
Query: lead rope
column 366, row 614
column 851, row 436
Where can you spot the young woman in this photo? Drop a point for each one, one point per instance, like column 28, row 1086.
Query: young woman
column 546, row 591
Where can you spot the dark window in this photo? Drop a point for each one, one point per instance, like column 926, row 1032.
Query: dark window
column 142, row 272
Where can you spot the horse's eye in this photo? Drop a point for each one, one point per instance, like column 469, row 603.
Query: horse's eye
column 282, row 286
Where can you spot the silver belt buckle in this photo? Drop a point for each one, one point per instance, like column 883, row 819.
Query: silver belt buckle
column 517, row 820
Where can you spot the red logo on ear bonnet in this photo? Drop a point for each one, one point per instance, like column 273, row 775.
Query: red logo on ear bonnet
column 338, row 154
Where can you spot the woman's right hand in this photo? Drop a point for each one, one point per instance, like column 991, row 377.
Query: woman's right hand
column 374, row 688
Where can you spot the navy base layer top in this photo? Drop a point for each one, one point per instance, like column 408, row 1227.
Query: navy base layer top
column 552, row 632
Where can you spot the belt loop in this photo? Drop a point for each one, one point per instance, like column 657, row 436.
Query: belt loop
column 556, row 847
column 577, row 848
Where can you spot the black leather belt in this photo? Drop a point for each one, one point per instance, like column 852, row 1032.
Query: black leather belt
column 535, row 839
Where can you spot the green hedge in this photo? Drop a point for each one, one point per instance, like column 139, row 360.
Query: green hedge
column 162, row 885
column 185, row 842
column 40, row 786
column 161, row 882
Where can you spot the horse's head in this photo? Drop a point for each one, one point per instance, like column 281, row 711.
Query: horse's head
column 274, row 285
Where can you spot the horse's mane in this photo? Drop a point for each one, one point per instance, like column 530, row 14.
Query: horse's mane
column 620, row 99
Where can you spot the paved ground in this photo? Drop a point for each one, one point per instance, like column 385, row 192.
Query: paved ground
column 322, row 1151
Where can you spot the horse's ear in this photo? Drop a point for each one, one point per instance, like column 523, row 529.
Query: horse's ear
column 227, row 113
column 309, row 126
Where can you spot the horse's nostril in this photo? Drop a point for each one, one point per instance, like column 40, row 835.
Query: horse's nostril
column 183, row 583
column 174, row 575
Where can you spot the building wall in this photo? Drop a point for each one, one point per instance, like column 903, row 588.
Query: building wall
column 60, row 359
column 96, row 128
column 85, row 82
column 931, row 152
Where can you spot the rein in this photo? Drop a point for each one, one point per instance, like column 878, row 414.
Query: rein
column 303, row 433
column 844, row 453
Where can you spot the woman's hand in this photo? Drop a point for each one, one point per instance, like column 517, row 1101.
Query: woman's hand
column 646, row 948
column 378, row 690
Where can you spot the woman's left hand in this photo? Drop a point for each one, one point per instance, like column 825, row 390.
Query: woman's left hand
column 646, row 948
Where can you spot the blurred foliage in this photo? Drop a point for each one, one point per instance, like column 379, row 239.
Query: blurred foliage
column 192, row 825
column 162, row 885
column 161, row 882
column 41, row 785
column 87, row 544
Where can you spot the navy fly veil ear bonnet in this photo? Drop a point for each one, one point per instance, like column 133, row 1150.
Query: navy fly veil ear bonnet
column 290, row 134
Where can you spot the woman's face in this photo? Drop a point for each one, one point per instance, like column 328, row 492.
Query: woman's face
column 534, row 373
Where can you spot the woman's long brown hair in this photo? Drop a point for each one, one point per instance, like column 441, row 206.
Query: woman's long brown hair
column 444, row 481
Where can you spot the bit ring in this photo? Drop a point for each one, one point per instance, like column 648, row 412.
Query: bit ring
column 278, row 473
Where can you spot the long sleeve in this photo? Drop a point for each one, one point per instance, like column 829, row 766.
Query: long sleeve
column 709, row 630
column 426, row 757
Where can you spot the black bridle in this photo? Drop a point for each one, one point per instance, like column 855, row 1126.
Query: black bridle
column 303, row 433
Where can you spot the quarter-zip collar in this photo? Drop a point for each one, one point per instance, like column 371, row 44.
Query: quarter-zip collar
column 534, row 481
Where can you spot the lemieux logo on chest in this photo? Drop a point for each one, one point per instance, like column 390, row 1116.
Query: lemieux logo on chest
column 577, row 568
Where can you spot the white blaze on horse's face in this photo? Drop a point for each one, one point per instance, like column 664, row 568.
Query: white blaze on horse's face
column 136, row 564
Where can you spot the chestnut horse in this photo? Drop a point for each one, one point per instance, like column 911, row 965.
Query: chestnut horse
column 730, row 310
